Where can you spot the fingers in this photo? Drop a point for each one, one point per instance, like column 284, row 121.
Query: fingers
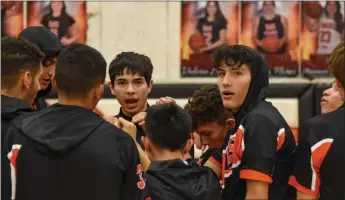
column 166, row 99
column 117, row 123
column 139, row 117
column 125, row 123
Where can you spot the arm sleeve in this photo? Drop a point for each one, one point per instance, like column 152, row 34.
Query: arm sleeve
column 311, row 151
column 133, row 183
column 71, row 21
column 199, row 26
column 222, row 24
column 259, row 148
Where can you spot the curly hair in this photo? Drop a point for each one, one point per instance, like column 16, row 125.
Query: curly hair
column 18, row 56
column 205, row 106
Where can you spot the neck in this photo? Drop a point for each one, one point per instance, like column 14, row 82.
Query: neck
column 131, row 114
column 164, row 154
column 210, row 18
column 269, row 16
column 16, row 93
column 56, row 14
column 81, row 102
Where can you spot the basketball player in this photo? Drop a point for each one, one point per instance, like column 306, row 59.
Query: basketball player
column 319, row 166
column 331, row 28
column 130, row 82
column 210, row 121
column 169, row 176
column 257, row 159
column 268, row 25
column 66, row 151
column 51, row 47
column 212, row 27
column 20, row 73
column 331, row 99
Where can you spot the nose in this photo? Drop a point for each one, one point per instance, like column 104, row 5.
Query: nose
column 326, row 92
column 130, row 89
column 226, row 82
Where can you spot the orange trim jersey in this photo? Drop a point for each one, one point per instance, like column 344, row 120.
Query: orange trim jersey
column 261, row 149
column 319, row 160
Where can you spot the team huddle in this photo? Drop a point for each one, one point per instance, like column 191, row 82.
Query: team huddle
column 68, row 151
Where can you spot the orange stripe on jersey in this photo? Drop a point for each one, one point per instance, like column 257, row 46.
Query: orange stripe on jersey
column 293, row 182
column 255, row 175
column 318, row 153
column 281, row 138
column 295, row 132
column 214, row 161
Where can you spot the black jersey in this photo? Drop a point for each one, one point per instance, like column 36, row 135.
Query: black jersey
column 320, row 161
column 273, row 27
column 69, row 152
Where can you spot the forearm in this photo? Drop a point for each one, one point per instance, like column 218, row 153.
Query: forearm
column 144, row 159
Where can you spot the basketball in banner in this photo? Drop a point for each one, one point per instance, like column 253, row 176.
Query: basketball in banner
column 272, row 28
column 66, row 19
column 322, row 29
column 206, row 26
column 11, row 18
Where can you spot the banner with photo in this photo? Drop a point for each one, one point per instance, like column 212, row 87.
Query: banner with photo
column 11, row 18
column 322, row 29
column 66, row 19
column 272, row 28
column 206, row 26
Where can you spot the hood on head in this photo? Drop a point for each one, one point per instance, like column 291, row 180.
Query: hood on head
column 59, row 129
column 44, row 39
column 185, row 178
column 259, row 81
column 12, row 107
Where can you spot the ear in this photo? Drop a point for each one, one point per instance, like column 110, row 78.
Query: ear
column 110, row 85
column 146, row 142
column 27, row 79
column 230, row 122
column 149, row 86
column 188, row 146
column 54, row 85
column 338, row 84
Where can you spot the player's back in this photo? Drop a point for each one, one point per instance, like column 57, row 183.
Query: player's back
column 69, row 152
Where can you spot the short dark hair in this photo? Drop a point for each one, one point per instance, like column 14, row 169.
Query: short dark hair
column 133, row 63
column 18, row 56
column 336, row 63
column 206, row 106
column 231, row 55
column 79, row 68
column 168, row 126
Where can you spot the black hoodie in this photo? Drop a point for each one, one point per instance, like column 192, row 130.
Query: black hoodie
column 69, row 152
column 181, row 180
column 11, row 108
column 263, row 144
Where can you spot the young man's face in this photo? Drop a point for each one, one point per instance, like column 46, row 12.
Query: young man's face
column 48, row 72
column 212, row 134
column 131, row 90
column 233, row 83
column 331, row 99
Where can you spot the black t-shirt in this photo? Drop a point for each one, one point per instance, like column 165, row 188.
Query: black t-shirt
column 210, row 30
column 261, row 149
column 140, row 130
column 58, row 25
column 319, row 167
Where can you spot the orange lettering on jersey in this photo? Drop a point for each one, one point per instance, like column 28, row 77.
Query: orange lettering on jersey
column 141, row 183
column 12, row 156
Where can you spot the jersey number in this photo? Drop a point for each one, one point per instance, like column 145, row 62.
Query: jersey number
column 141, row 183
column 326, row 36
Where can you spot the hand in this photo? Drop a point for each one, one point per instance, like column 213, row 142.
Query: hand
column 196, row 140
column 139, row 118
column 203, row 49
column 110, row 119
column 259, row 43
column 166, row 99
column 65, row 41
column 126, row 126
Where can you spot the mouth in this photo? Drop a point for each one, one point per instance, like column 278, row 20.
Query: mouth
column 131, row 103
column 46, row 81
column 227, row 94
column 323, row 100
